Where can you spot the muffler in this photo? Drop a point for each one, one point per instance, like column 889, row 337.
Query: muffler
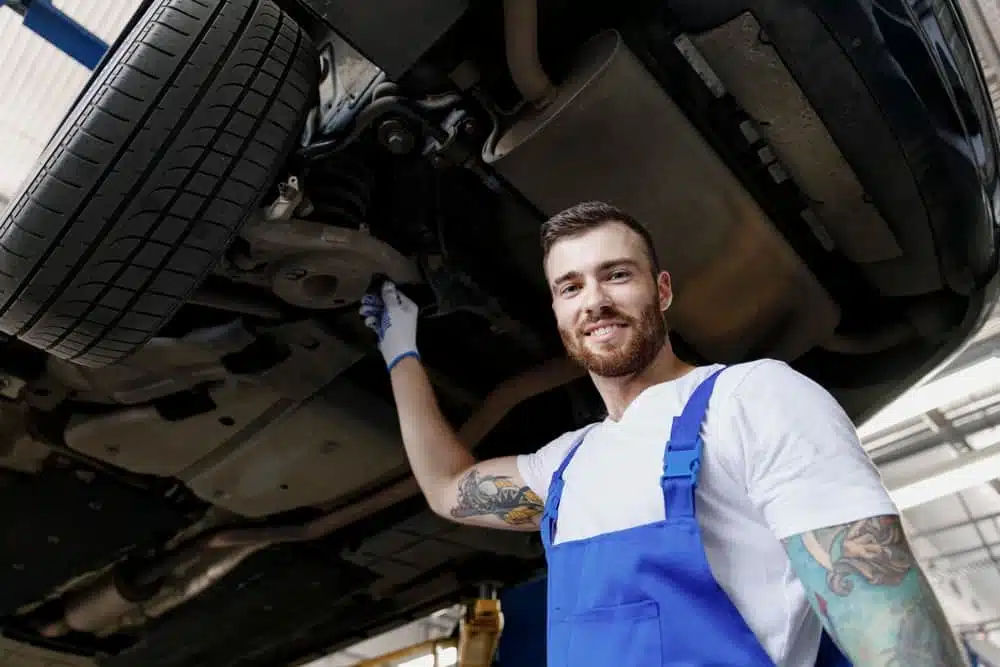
column 612, row 133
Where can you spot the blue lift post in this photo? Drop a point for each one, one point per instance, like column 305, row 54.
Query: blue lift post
column 522, row 642
column 43, row 18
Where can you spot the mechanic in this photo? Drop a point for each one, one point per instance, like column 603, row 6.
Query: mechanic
column 795, row 556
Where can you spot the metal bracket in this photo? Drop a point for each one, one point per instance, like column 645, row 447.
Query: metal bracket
column 347, row 83
column 290, row 197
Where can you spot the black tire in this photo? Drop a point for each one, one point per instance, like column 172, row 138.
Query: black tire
column 151, row 175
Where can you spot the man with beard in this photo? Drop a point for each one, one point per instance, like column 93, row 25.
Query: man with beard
column 723, row 516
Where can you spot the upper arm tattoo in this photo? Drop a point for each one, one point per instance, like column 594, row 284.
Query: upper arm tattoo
column 875, row 602
column 498, row 496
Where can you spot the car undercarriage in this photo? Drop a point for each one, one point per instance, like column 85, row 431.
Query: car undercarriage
column 200, row 458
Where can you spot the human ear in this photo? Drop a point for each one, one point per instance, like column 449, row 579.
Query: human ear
column 665, row 291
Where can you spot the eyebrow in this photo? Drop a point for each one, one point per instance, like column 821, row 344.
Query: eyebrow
column 603, row 266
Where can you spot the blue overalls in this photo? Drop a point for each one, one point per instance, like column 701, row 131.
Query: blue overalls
column 646, row 596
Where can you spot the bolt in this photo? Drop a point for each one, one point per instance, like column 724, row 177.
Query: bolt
column 396, row 137
column 396, row 143
column 297, row 273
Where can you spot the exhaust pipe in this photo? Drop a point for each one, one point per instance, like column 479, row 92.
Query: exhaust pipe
column 521, row 40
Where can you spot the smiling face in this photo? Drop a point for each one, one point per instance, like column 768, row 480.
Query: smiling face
column 607, row 300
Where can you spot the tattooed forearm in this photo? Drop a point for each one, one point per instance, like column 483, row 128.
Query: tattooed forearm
column 875, row 602
column 498, row 496
column 873, row 550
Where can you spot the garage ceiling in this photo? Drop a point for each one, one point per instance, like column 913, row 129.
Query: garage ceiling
column 951, row 422
column 38, row 83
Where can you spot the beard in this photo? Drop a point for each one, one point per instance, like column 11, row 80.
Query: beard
column 648, row 334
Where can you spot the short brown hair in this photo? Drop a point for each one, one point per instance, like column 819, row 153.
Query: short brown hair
column 588, row 215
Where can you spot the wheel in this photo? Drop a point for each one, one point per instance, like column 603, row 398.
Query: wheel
column 152, row 174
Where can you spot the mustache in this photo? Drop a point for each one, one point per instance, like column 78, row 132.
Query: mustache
column 607, row 313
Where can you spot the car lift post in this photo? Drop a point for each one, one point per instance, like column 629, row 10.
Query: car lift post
column 43, row 18
column 479, row 633
column 480, row 629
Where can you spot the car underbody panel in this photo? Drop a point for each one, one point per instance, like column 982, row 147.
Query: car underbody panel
column 821, row 182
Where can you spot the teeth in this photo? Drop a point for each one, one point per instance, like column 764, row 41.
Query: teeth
column 602, row 331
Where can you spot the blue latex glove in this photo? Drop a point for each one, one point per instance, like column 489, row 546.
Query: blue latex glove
column 393, row 318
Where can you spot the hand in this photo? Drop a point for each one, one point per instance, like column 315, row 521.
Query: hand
column 393, row 318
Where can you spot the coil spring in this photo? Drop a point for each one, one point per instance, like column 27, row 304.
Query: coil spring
column 341, row 189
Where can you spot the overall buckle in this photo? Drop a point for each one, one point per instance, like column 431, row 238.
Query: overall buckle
column 683, row 462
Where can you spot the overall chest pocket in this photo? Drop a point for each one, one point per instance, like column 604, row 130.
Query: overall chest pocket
column 627, row 635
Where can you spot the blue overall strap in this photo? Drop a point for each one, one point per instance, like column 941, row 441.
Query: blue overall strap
column 682, row 455
column 556, row 487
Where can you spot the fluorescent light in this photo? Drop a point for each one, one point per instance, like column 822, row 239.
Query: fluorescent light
column 965, row 472
column 447, row 657
column 951, row 389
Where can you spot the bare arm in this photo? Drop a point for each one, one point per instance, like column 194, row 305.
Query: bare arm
column 488, row 493
column 865, row 584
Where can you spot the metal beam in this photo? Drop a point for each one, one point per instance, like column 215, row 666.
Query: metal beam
column 988, row 548
column 968, row 568
column 956, row 525
column 988, row 417
column 938, row 424
column 965, row 472
column 44, row 19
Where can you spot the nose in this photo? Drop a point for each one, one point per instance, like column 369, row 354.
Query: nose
column 595, row 298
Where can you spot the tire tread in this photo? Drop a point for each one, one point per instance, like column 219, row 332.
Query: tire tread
column 151, row 175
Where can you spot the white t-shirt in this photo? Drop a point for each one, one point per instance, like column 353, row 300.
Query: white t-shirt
column 781, row 458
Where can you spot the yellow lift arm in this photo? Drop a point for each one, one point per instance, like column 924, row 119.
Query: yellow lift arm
column 478, row 637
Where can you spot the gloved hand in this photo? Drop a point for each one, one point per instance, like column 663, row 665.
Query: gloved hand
column 393, row 318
